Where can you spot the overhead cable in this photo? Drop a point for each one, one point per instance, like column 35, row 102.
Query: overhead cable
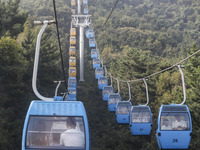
column 61, row 56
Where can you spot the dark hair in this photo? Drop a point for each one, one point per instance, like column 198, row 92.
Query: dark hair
column 70, row 121
column 165, row 119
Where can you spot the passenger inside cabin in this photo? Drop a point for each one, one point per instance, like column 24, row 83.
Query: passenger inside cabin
column 179, row 124
column 166, row 125
column 72, row 137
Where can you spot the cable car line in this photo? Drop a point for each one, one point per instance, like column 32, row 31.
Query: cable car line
column 161, row 71
column 59, row 44
column 111, row 12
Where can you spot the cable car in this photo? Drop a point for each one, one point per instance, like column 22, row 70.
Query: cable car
column 92, row 43
column 72, row 61
column 174, row 127
column 96, row 63
column 72, row 40
column 140, row 120
column 73, row 31
column 102, row 81
column 99, row 72
column 46, row 123
column 113, row 99
column 73, row 11
column 85, row 2
column 94, row 53
column 72, row 82
column 72, row 71
column 72, row 50
column 85, row 10
column 89, row 33
column 71, row 94
column 123, row 109
column 107, row 90
column 73, row 2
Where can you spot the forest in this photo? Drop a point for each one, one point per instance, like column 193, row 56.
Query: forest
column 140, row 38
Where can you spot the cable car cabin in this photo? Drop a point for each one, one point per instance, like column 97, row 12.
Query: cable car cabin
column 72, row 82
column 72, row 40
column 73, row 11
column 89, row 33
column 123, row 110
column 96, row 63
column 85, row 10
column 107, row 90
column 92, row 43
column 85, row 2
column 102, row 81
column 73, row 2
column 174, row 127
column 47, row 125
column 72, row 61
column 94, row 53
column 140, row 120
column 113, row 99
column 72, row 71
column 71, row 94
column 99, row 72
column 72, row 50
column 73, row 31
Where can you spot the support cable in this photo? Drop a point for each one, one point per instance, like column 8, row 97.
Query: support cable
column 61, row 56
column 111, row 12
column 161, row 71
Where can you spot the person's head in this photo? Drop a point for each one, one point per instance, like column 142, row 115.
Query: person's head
column 166, row 122
column 177, row 116
column 71, row 123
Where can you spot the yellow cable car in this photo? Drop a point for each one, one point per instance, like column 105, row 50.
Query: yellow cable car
column 73, row 31
column 72, row 40
column 72, row 61
column 72, row 71
column 73, row 2
column 73, row 11
column 72, row 50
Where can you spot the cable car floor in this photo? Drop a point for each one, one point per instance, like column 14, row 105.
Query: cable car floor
column 105, row 133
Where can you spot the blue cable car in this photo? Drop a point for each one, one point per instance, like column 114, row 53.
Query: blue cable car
column 72, row 82
column 71, row 94
column 47, row 126
column 89, row 33
column 140, row 120
column 96, row 63
column 85, row 2
column 123, row 110
column 85, row 10
column 94, row 53
column 92, row 43
column 107, row 90
column 113, row 99
column 99, row 72
column 174, row 127
column 102, row 81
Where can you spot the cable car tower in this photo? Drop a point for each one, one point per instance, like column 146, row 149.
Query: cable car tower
column 81, row 21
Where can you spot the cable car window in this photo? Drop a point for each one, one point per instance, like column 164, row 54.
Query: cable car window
column 72, row 91
column 48, row 132
column 99, row 71
column 72, row 60
column 103, row 81
column 114, row 99
column 107, row 91
column 72, row 80
column 72, row 70
column 96, row 61
column 72, row 49
column 141, row 117
column 175, row 121
column 124, row 109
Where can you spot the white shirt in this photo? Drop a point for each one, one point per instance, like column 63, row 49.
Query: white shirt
column 177, row 124
column 72, row 138
column 169, row 127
